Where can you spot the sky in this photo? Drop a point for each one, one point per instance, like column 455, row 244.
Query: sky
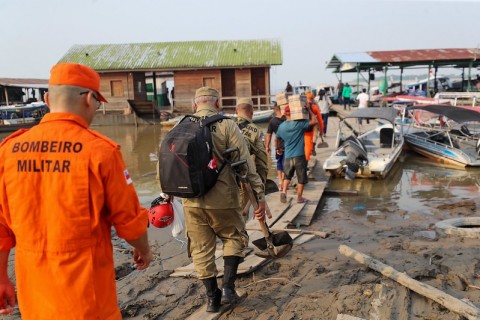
column 36, row 34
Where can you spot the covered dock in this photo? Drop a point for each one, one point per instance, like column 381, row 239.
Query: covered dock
column 366, row 64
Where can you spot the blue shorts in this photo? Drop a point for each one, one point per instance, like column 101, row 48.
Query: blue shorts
column 279, row 158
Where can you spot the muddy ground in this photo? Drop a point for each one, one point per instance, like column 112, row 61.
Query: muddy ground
column 314, row 281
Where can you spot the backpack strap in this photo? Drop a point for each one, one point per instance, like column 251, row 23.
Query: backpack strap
column 242, row 125
column 209, row 120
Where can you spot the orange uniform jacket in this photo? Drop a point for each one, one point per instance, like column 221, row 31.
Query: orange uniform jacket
column 62, row 188
column 308, row 136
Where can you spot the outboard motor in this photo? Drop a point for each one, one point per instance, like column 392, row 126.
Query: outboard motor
column 357, row 157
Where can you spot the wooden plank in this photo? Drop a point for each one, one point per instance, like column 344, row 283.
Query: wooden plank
column 257, row 262
column 189, row 270
column 202, row 313
column 312, row 190
column 276, row 208
column 250, row 264
column 451, row 303
column 304, row 238
column 289, row 216
column 306, row 216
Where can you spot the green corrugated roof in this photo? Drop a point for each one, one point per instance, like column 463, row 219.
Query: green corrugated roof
column 176, row 55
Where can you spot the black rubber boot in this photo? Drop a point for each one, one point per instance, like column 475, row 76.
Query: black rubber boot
column 213, row 293
column 229, row 295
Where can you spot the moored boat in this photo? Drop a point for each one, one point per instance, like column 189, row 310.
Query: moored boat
column 18, row 117
column 370, row 154
column 449, row 141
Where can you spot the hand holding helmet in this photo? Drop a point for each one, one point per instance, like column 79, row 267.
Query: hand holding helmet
column 161, row 213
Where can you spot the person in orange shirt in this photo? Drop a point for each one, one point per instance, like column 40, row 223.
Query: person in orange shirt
column 62, row 188
column 312, row 133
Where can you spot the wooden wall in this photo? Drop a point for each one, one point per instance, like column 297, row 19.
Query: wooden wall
column 243, row 83
column 119, row 87
column 187, row 82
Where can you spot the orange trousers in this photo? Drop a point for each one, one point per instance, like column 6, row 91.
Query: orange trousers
column 308, row 137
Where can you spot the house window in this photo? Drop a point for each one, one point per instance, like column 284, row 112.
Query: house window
column 116, row 88
column 208, row 82
column 139, row 86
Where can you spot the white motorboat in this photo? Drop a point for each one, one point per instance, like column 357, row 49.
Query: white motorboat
column 452, row 140
column 370, row 154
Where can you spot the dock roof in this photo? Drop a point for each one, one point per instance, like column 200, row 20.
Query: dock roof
column 176, row 55
column 348, row 62
column 24, row 83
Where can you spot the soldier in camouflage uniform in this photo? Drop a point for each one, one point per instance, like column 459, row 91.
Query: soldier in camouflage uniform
column 218, row 213
column 255, row 141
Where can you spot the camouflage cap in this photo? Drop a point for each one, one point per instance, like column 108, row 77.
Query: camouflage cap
column 245, row 101
column 206, row 91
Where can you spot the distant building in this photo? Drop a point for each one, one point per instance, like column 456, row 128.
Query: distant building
column 21, row 91
column 151, row 71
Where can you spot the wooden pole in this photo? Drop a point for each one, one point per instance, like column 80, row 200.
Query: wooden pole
column 401, row 80
column 428, row 82
column 449, row 302
column 155, row 102
column 6, row 95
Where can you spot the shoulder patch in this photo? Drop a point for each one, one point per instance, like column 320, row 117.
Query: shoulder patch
column 128, row 179
column 13, row 135
column 101, row 136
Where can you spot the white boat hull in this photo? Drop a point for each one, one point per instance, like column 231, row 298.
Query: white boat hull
column 463, row 154
column 380, row 159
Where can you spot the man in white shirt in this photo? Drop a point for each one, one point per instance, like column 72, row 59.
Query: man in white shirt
column 363, row 99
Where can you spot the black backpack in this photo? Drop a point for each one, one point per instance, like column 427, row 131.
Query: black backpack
column 187, row 166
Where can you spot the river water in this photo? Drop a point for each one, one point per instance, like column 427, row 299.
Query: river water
column 414, row 184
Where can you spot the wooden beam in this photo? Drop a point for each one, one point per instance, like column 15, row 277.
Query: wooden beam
column 451, row 303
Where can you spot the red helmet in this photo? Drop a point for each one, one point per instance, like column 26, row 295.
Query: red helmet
column 161, row 212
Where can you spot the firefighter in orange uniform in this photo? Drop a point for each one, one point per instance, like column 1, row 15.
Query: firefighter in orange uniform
column 63, row 187
column 309, row 136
